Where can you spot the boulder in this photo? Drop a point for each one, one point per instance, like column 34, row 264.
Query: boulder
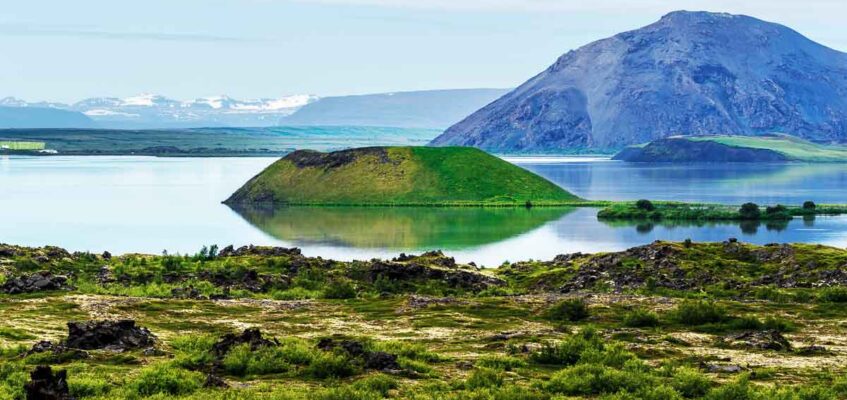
column 37, row 282
column 111, row 335
column 759, row 340
column 252, row 337
column 45, row 385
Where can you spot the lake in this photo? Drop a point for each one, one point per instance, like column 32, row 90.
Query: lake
column 146, row 204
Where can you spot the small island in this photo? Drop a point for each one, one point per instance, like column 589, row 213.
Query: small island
column 726, row 148
column 399, row 176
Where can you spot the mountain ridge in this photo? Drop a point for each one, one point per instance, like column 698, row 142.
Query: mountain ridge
column 688, row 73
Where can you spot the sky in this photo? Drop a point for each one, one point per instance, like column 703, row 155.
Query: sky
column 58, row 50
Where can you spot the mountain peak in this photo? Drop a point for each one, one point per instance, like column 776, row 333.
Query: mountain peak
column 691, row 72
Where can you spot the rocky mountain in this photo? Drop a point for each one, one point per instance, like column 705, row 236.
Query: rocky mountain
column 420, row 109
column 155, row 111
column 42, row 117
column 689, row 73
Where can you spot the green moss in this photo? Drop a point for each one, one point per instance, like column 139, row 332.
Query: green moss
column 399, row 176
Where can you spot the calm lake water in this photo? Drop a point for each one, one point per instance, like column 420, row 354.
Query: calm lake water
column 145, row 204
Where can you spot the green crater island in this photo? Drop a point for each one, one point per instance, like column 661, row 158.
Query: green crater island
column 726, row 148
column 399, row 176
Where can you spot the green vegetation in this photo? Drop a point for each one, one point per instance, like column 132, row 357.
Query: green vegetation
column 793, row 148
column 204, row 142
column 21, row 145
column 675, row 211
column 663, row 321
column 399, row 176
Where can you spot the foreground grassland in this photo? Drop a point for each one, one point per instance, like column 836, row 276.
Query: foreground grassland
column 663, row 321
column 406, row 176
column 793, row 148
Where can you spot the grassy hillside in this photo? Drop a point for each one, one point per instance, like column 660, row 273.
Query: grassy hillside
column 794, row 148
column 398, row 176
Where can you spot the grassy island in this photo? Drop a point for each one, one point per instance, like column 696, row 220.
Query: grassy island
column 676, row 211
column 729, row 148
column 399, row 176
column 714, row 321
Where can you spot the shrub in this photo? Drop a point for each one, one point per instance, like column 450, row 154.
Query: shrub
column 645, row 205
column 242, row 361
column 640, row 318
column 415, row 351
column 340, row 289
column 165, row 379
column 777, row 211
column 484, row 378
column 568, row 351
column 330, row 365
column 504, row 363
column 381, row 384
column 834, row 294
column 572, row 310
column 690, row 382
column 749, row 211
column 345, row 393
column 692, row 312
column 87, row 386
column 193, row 351
column 591, row 379
column 809, row 205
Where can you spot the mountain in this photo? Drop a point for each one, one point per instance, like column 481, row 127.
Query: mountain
column 151, row 111
column 423, row 176
column 689, row 73
column 41, row 117
column 421, row 109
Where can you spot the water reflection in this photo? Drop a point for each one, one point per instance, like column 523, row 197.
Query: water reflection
column 745, row 227
column 402, row 228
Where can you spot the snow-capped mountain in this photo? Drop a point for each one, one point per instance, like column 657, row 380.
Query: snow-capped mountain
column 156, row 111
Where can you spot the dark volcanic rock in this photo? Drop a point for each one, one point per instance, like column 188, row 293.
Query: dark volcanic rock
column 377, row 360
column 45, row 385
column 251, row 250
column 690, row 73
column 438, row 269
column 111, row 335
column 46, row 346
column 684, row 150
column 760, row 340
column 252, row 337
column 37, row 282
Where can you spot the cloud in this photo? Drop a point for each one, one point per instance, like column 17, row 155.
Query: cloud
column 65, row 31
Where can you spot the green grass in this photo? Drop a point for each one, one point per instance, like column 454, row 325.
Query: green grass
column 427, row 176
column 794, row 148
column 20, row 145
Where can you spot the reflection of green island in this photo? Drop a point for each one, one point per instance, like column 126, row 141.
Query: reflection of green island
column 399, row 227
column 726, row 148
column 424, row 176
column 747, row 226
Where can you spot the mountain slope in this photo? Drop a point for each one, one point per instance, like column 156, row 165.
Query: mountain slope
column 721, row 148
column 422, row 109
column 397, row 176
column 689, row 73
column 38, row 117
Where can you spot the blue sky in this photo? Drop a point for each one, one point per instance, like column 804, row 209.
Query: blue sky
column 61, row 50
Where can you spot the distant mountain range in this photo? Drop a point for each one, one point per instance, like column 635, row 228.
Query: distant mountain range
column 155, row 111
column 689, row 73
column 421, row 109
column 436, row 109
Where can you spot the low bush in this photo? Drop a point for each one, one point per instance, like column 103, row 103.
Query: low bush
column 690, row 382
column 592, row 380
column 749, row 211
column 243, row 361
column 330, row 365
column 640, row 318
column 645, row 205
column 836, row 294
column 484, row 378
column 505, row 363
column 339, row 289
column 698, row 312
column 809, row 205
column 166, row 379
column 572, row 310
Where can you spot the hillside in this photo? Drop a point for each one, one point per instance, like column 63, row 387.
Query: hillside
column 422, row 109
column 689, row 73
column 37, row 117
column 397, row 176
column 725, row 148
